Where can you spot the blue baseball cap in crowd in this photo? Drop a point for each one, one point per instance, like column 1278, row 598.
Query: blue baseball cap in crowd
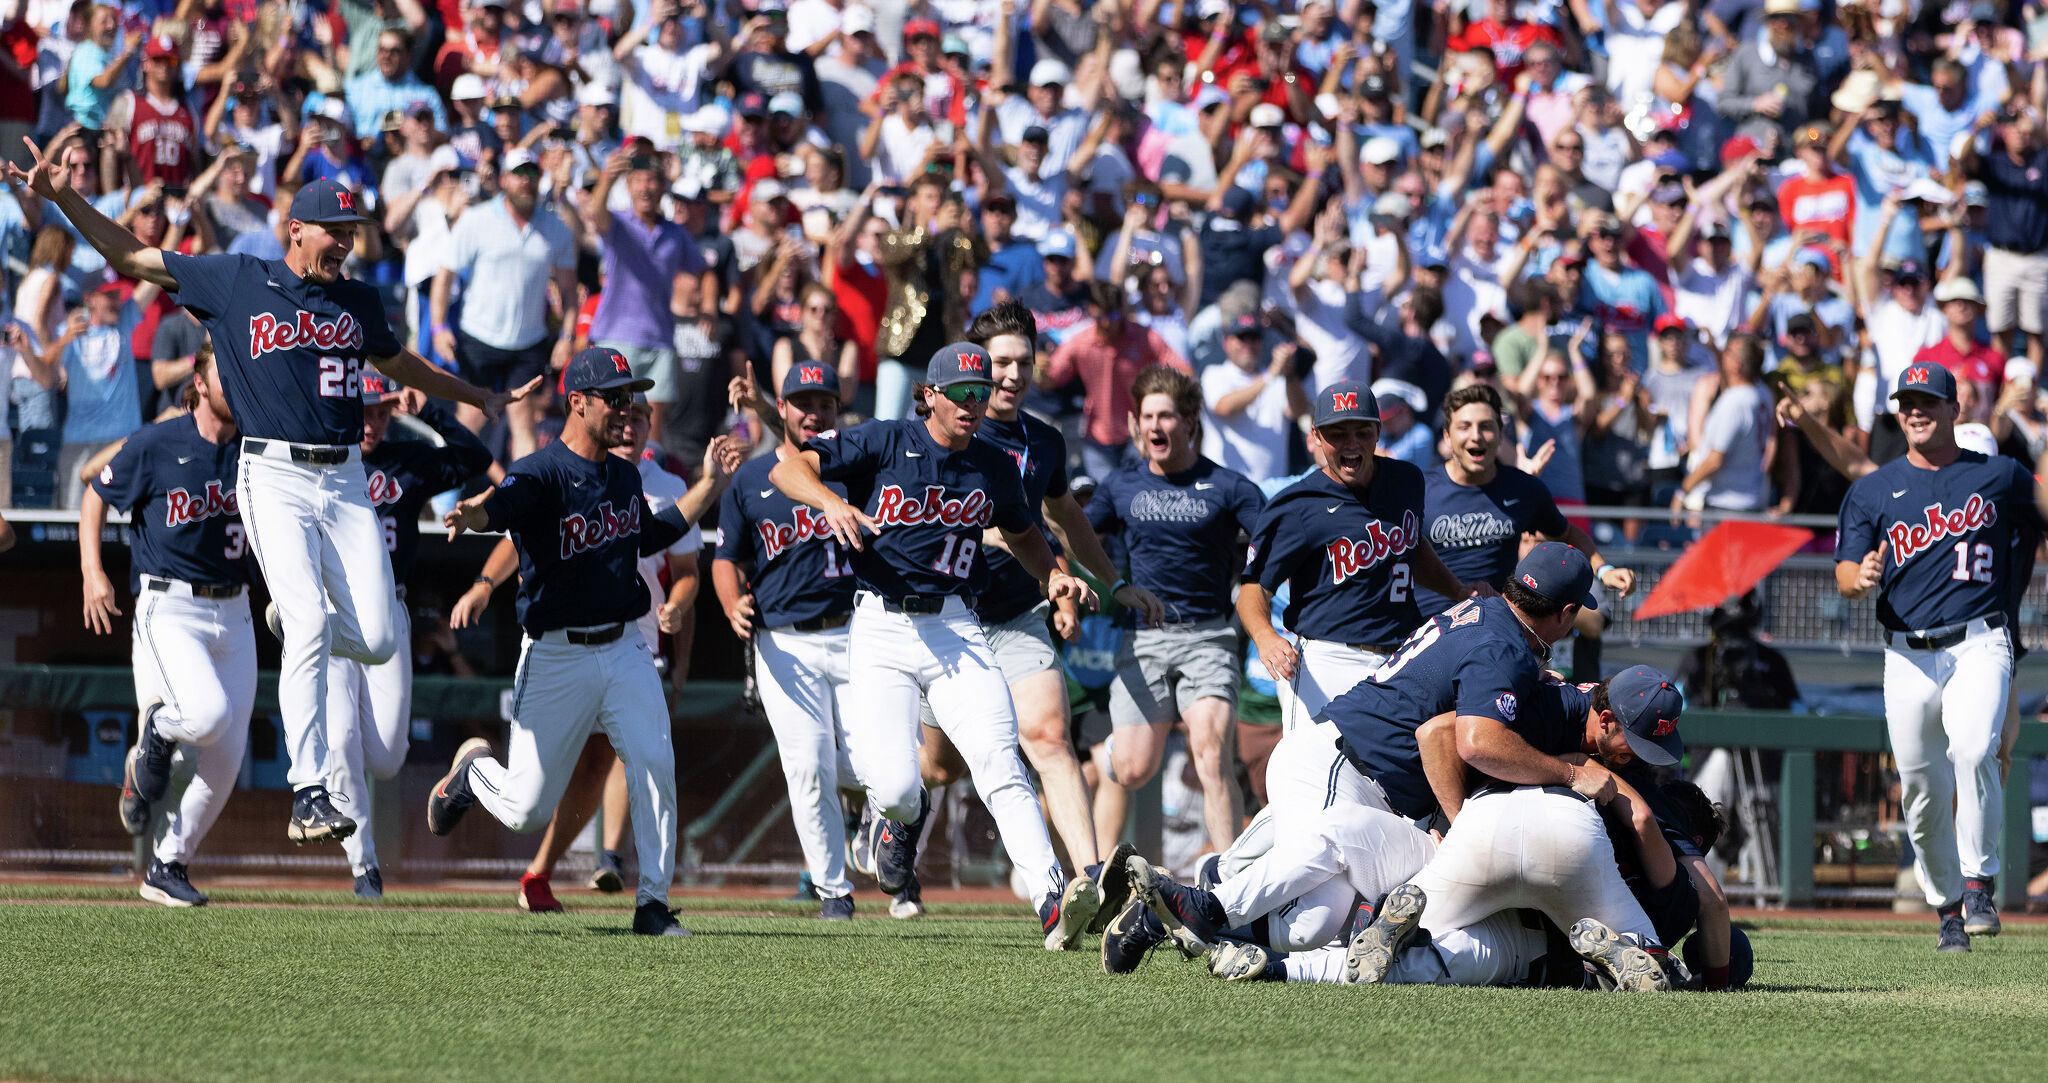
column 1059, row 244
column 1927, row 378
column 809, row 376
column 378, row 387
column 1244, row 323
column 601, row 368
column 325, row 202
column 960, row 363
column 1560, row 573
column 1345, row 400
column 1648, row 706
column 1239, row 201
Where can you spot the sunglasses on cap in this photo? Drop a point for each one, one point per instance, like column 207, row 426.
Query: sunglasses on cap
column 964, row 394
column 618, row 398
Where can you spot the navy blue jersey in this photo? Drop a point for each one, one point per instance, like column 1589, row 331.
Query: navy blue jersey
column 290, row 351
column 932, row 504
column 1040, row 453
column 179, row 490
column 1677, row 832
column 1181, row 531
column 1344, row 555
column 1477, row 529
column 796, row 569
column 405, row 474
column 581, row 528
column 1953, row 533
column 1472, row 659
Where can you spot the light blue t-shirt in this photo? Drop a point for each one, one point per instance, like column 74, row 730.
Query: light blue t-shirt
column 1627, row 302
column 87, row 103
column 1877, row 173
column 102, row 401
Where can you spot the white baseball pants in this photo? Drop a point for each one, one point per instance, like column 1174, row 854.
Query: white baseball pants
column 369, row 729
column 1326, row 670
column 559, row 692
column 893, row 659
column 1528, row 848
column 1945, row 710
column 1498, row 951
column 1361, row 852
column 802, row 680
column 322, row 553
column 198, row 655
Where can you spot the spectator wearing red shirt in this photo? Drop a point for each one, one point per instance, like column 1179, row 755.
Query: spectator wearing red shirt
column 921, row 48
column 1981, row 363
column 1235, row 51
column 19, row 43
column 1504, row 36
column 1106, row 356
column 1822, row 200
column 163, row 136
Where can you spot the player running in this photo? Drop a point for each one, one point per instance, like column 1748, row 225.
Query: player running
column 576, row 513
column 1934, row 533
column 194, row 644
column 290, row 338
column 369, row 707
column 926, row 490
column 1180, row 517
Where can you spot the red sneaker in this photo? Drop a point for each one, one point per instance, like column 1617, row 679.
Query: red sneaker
column 536, row 897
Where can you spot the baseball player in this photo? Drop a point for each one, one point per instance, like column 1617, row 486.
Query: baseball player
column 1348, row 541
column 926, row 489
column 787, row 588
column 1934, row 533
column 369, row 707
column 194, row 645
column 291, row 337
column 580, row 522
column 1180, row 517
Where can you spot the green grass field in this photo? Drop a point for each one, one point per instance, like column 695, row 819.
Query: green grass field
column 328, row 990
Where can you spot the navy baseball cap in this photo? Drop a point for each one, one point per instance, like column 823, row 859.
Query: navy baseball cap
column 325, row 202
column 1244, row 323
column 809, row 376
column 1927, row 378
column 378, row 387
column 1345, row 400
column 960, row 363
column 1239, row 201
column 601, row 368
column 1648, row 706
column 1560, row 573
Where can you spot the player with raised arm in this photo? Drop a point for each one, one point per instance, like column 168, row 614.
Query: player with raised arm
column 922, row 490
column 194, row 642
column 1935, row 534
column 578, row 517
column 290, row 338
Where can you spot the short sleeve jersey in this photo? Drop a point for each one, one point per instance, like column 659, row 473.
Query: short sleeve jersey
column 1181, row 531
column 932, row 504
column 796, row 569
column 1952, row 537
column 1344, row 555
column 405, row 474
column 290, row 350
column 1477, row 529
column 179, row 490
column 581, row 528
column 1471, row 660
column 1040, row 455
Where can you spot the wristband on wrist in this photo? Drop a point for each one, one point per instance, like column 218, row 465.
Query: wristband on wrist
column 485, row 580
column 1117, row 586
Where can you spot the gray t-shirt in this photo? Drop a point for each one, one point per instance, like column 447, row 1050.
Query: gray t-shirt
column 1670, row 395
column 1739, row 427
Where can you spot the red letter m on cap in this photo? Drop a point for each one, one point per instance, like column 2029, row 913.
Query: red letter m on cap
column 810, row 375
column 970, row 362
column 345, row 200
column 1344, row 400
column 619, row 362
column 1917, row 374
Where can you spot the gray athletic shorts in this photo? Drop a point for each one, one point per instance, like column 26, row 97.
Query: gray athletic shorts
column 1022, row 646
column 1161, row 672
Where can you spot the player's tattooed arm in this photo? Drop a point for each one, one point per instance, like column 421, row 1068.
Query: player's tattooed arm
column 1437, row 739
column 101, row 606
column 797, row 477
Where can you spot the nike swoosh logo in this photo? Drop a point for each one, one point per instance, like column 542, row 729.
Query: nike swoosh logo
column 1895, row 496
column 913, row 454
column 1510, row 503
column 1203, row 485
column 183, row 459
column 768, row 492
column 1334, row 509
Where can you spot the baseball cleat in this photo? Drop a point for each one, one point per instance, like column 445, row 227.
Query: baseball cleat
column 1980, row 913
column 908, row 903
column 1134, row 931
column 314, row 818
column 274, row 620
column 1115, row 882
column 836, row 908
column 1237, row 961
column 1209, row 873
column 537, row 895
column 1629, row 966
column 656, row 919
column 895, row 848
column 860, row 846
column 134, row 810
column 1076, row 910
column 1374, row 949
column 165, row 883
column 451, row 796
column 610, row 876
column 370, row 885
column 1954, row 935
column 152, row 772
column 1189, row 945
column 1177, row 905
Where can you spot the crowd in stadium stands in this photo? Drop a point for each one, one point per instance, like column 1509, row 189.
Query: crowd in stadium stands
column 1642, row 221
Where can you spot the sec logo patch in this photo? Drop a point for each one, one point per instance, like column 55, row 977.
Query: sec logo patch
column 1506, row 703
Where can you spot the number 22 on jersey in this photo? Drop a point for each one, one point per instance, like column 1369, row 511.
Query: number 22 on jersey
column 341, row 377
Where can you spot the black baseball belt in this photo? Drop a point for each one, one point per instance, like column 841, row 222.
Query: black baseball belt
column 1941, row 639
column 313, row 454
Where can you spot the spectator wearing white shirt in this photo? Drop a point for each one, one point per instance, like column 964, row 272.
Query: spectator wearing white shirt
column 1472, row 287
column 662, row 78
column 901, row 139
column 1044, row 104
column 1038, row 190
column 1251, row 407
column 1901, row 322
column 1319, row 285
column 1712, row 291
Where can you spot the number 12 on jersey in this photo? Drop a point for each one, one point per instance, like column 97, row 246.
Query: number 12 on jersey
column 957, row 557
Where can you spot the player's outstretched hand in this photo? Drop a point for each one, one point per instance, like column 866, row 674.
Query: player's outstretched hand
column 468, row 515
column 847, row 522
column 100, row 608
column 1622, row 580
column 469, row 609
column 1064, row 587
column 1280, row 659
column 495, row 403
column 46, row 175
column 1144, row 602
column 1594, row 781
column 722, row 458
column 742, row 617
